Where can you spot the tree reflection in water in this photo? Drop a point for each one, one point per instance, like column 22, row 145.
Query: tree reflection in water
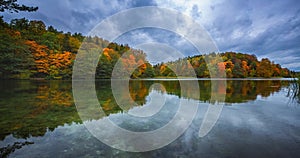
column 31, row 108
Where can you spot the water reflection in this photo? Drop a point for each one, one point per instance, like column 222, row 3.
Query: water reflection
column 33, row 108
column 30, row 108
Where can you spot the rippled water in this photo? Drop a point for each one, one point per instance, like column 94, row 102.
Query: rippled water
column 39, row 119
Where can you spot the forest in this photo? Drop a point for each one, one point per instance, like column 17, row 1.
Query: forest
column 31, row 50
column 234, row 65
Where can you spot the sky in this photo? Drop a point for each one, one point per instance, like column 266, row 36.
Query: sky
column 265, row 28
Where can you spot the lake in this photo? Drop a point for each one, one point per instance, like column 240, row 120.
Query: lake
column 40, row 119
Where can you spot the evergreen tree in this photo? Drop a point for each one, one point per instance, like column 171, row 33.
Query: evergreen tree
column 13, row 6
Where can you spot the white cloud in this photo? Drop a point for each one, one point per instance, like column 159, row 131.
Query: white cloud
column 204, row 8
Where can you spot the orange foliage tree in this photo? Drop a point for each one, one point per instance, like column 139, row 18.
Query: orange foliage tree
column 49, row 64
column 40, row 54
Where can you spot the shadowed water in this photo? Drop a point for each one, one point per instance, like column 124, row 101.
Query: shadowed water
column 39, row 119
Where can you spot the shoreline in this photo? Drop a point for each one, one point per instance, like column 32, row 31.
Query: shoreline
column 161, row 79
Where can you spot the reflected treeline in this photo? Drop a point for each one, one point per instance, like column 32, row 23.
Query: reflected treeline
column 246, row 90
column 237, row 91
column 31, row 108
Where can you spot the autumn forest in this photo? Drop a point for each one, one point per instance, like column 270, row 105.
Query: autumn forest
column 30, row 50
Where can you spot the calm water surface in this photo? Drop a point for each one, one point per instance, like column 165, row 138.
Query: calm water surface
column 40, row 119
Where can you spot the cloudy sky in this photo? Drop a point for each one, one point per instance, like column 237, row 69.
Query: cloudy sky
column 264, row 28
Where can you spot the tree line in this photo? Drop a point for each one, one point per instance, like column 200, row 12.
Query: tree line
column 234, row 65
column 29, row 49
